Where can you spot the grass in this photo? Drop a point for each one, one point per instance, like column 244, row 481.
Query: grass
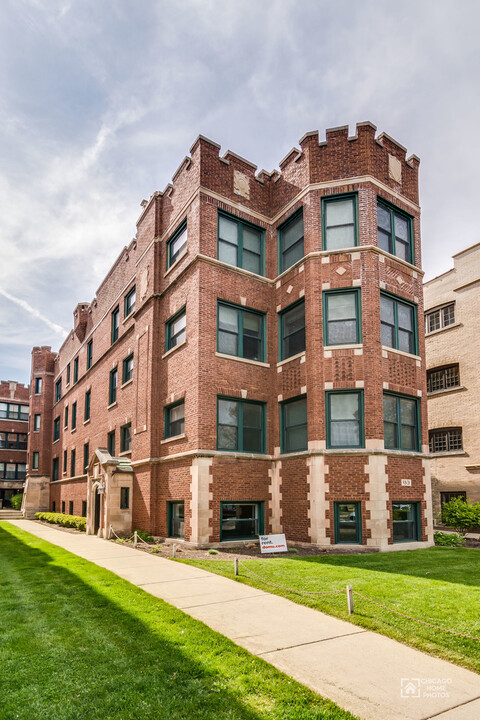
column 436, row 585
column 80, row 642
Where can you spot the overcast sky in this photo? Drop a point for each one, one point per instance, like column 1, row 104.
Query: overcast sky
column 101, row 99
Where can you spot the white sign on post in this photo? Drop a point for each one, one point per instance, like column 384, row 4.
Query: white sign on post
column 273, row 543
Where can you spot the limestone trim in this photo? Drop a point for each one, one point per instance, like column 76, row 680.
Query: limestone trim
column 201, row 494
column 318, row 487
column 376, row 487
column 275, row 503
column 428, row 513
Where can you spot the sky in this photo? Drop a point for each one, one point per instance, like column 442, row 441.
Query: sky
column 100, row 100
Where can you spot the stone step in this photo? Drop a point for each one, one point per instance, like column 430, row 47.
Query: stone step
column 10, row 515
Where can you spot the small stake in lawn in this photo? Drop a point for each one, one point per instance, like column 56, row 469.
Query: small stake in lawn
column 235, row 566
column 135, row 539
column 350, row 599
column 174, row 550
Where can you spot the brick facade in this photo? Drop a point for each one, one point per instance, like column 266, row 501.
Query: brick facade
column 301, row 492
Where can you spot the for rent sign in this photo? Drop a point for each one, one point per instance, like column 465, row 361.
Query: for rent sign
column 273, row 543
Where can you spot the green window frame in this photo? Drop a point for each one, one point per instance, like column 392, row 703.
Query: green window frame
column 291, row 330
column 294, row 425
column 74, row 415
column 68, row 374
column 58, row 390
column 111, row 443
column 56, row 429
column 176, row 519
column 89, row 353
column 36, row 422
column 290, row 239
column 126, row 438
column 130, row 301
column 342, row 317
column 395, row 231
column 345, row 419
column 13, row 471
column 75, row 370
column 241, row 425
column 13, row 441
column 88, row 399
column 240, row 331
column 127, row 369
column 348, row 523
column 115, row 324
column 398, row 324
column 35, row 460
column 84, row 508
column 406, row 522
column 124, row 498
column 339, row 221
column 38, row 386
column 70, row 507
column 176, row 329
column 65, row 422
column 401, row 422
column 13, row 411
column 65, row 458
column 63, row 507
column 177, row 244
column 241, row 520
column 112, row 386
column 72, row 462
column 174, row 419
column 86, row 455
column 241, row 243
column 55, row 469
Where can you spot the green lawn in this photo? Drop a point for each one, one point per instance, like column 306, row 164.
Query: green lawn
column 80, row 642
column 437, row 585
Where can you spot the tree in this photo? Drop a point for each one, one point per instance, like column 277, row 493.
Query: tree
column 461, row 515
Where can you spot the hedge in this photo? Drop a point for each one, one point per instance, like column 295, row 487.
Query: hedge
column 73, row 521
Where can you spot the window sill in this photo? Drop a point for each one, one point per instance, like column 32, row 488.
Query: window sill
column 85, row 422
column 442, row 329
column 125, row 452
column 55, row 441
column 448, row 453
column 73, row 430
column 445, row 391
column 174, row 265
column 292, row 357
column 347, row 346
column 386, row 348
column 127, row 382
column 171, row 439
column 109, row 407
column 259, row 363
column 169, row 352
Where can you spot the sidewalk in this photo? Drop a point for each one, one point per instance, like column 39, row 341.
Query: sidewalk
column 359, row 670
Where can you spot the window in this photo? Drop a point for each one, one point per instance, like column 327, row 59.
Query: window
column 130, row 300
column 339, row 226
column 13, row 441
column 293, row 420
column 72, row 462
column 127, row 369
column 86, row 456
column 58, row 390
column 240, row 425
column 348, row 523
column 445, row 497
column 89, row 354
column 74, row 415
column 56, row 429
column 176, row 519
column 53, row 506
column 36, row 422
column 175, row 330
column 342, row 317
column 65, row 423
column 290, row 241
column 241, row 244
column 84, row 508
column 12, row 411
column 344, row 410
column 38, row 385
column 241, row 332
column 75, row 370
column 241, row 521
column 175, row 419
column 55, row 469
column 445, row 440
column 125, row 438
column 112, row 387
column 401, row 422
column 111, row 443
column 65, row 456
column 35, row 460
column 88, row 398
column 124, row 498
column 177, row 245
column 70, row 507
column 63, row 507
column 440, row 318
column 406, row 525
column 115, row 324
column 68, row 374
column 443, row 378
column 395, row 231
column 292, row 330
column 12, row 471
column 398, row 320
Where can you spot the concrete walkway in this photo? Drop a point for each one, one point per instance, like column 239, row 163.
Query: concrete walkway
column 361, row 671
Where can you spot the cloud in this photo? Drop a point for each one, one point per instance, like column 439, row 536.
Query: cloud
column 34, row 313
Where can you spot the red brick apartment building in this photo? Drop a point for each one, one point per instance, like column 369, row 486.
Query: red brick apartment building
column 14, row 400
column 253, row 361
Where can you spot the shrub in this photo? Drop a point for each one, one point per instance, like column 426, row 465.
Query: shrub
column 460, row 515
column 16, row 501
column 449, row 539
column 143, row 535
column 71, row 521
column 212, row 551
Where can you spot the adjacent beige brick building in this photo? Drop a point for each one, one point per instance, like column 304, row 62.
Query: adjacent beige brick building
column 452, row 317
